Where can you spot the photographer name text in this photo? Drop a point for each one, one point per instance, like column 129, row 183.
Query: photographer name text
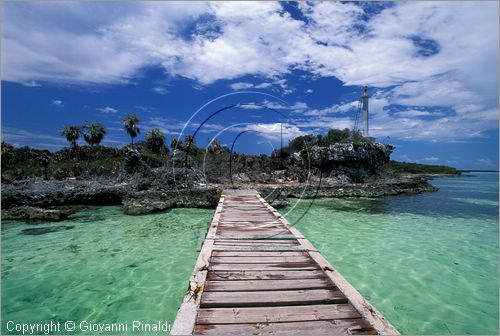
column 86, row 326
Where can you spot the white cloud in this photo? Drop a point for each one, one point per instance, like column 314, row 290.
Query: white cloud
column 431, row 159
column 241, row 86
column 20, row 137
column 272, row 131
column 107, row 109
column 57, row 102
column 336, row 108
column 458, row 70
column 31, row 84
column 309, row 91
column 263, row 85
column 417, row 113
column 160, row 90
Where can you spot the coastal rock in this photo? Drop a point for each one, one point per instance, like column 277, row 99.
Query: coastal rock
column 274, row 196
column 44, row 194
column 152, row 201
column 381, row 187
column 358, row 162
column 29, row 212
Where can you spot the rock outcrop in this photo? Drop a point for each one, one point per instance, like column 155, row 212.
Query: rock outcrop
column 44, row 194
column 34, row 213
column 152, row 201
column 358, row 162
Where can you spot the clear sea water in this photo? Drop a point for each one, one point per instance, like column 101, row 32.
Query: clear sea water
column 109, row 268
column 428, row 262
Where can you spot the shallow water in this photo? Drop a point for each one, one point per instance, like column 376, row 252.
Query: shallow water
column 428, row 262
column 108, row 268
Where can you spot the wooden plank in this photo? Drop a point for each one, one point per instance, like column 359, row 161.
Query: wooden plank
column 276, row 314
column 332, row 327
column 258, row 254
column 186, row 315
column 368, row 311
column 251, row 242
column 252, row 234
column 256, row 275
column 271, row 298
column 259, row 260
column 266, row 285
column 264, row 267
column 266, row 240
column 261, row 276
column 258, row 248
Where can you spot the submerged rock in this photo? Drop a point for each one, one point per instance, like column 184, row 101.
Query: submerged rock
column 44, row 230
column 29, row 212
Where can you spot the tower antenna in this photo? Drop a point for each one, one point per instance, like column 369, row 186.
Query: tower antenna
column 364, row 102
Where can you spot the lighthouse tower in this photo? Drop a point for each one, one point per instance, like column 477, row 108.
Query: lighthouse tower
column 364, row 107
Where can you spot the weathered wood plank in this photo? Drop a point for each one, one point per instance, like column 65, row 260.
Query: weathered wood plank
column 276, row 314
column 271, row 298
column 332, row 327
column 259, row 260
column 369, row 312
column 258, row 248
column 283, row 266
column 251, row 242
column 264, row 277
column 186, row 315
column 266, row 285
column 256, row 275
column 253, row 233
column 258, row 254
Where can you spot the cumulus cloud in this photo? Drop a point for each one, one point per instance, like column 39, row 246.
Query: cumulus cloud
column 273, row 131
column 336, row 108
column 241, row 86
column 160, row 90
column 107, row 109
column 431, row 54
column 57, row 102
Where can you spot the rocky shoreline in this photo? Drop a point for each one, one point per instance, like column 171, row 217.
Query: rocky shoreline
column 37, row 199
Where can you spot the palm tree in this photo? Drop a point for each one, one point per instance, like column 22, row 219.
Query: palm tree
column 175, row 144
column 156, row 140
column 94, row 133
column 44, row 160
column 130, row 125
column 72, row 133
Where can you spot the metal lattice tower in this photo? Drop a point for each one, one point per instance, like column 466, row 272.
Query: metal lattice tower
column 364, row 107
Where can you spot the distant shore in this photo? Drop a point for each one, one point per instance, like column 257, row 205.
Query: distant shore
column 36, row 199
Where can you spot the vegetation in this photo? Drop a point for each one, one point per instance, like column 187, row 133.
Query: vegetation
column 396, row 167
column 155, row 141
column 96, row 160
column 130, row 125
column 72, row 134
column 333, row 136
column 93, row 133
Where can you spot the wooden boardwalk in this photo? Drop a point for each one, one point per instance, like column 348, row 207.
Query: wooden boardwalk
column 258, row 275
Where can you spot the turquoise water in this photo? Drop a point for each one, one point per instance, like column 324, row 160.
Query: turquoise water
column 428, row 262
column 108, row 268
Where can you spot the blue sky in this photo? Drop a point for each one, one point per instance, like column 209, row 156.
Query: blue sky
column 431, row 69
